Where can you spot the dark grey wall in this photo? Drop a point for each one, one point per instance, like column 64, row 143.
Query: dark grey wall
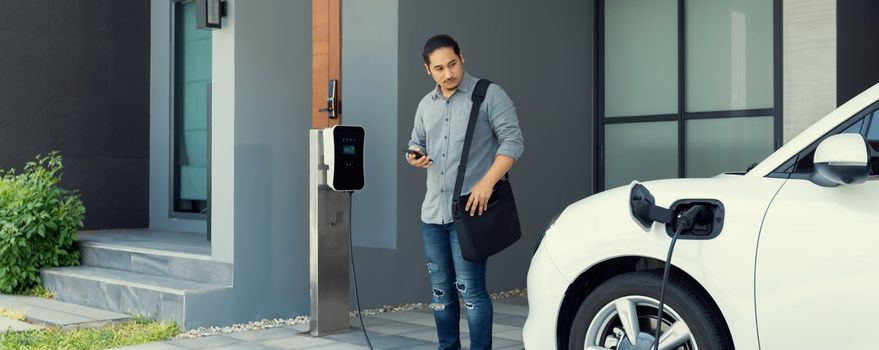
column 369, row 39
column 541, row 53
column 74, row 77
column 856, row 48
column 272, row 109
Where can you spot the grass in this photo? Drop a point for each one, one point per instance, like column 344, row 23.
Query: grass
column 15, row 315
column 39, row 291
column 138, row 331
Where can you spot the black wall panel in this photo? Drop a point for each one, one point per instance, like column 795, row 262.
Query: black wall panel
column 857, row 47
column 74, row 77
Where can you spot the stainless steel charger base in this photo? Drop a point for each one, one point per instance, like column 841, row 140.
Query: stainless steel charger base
column 329, row 251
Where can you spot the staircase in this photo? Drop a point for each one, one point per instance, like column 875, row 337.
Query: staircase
column 141, row 272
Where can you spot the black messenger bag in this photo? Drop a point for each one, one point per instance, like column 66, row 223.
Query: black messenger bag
column 481, row 236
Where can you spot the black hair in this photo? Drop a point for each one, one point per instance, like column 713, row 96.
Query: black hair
column 437, row 42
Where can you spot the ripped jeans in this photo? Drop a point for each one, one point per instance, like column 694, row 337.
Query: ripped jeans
column 451, row 276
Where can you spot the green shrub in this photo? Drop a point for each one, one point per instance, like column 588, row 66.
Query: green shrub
column 38, row 223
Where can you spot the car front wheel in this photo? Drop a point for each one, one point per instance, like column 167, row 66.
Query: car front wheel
column 620, row 314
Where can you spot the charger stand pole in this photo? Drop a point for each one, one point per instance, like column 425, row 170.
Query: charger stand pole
column 330, row 226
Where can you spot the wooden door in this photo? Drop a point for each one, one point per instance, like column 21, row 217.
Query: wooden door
column 326, row 52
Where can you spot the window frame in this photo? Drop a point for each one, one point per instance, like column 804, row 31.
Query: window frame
column 173, row 124
column 681, row 117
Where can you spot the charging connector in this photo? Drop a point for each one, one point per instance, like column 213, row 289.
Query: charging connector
column 683, row 221
column 707, row 224
column 696, row 219
column 354, row 274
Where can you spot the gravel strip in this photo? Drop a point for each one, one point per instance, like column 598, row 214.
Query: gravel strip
column 510, row 294
column 300, row 320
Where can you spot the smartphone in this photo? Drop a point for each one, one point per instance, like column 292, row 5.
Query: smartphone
column 417, row 153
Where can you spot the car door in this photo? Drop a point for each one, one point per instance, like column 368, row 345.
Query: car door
column 817, row 264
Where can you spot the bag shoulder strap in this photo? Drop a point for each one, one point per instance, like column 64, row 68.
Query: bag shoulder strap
column 477, row 97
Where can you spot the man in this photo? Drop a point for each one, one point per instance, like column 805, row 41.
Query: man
column 438, row 135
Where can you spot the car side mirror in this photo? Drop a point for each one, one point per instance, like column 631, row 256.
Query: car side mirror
column 842, row 159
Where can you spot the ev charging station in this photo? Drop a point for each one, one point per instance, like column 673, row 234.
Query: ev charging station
column 335, row 171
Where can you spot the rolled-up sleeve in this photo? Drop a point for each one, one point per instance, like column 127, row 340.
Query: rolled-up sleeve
column 419, row 135
column 504, row 122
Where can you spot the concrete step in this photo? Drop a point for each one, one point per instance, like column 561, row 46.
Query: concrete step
column 54, row 313
column 150, row 261
column 159, row 297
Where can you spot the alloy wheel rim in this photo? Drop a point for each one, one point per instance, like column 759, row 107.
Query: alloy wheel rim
column 613, row 326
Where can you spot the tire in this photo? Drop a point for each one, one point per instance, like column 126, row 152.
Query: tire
column 693, row 314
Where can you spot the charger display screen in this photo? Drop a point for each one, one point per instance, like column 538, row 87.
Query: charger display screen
column 348, row 153
column 349, row 150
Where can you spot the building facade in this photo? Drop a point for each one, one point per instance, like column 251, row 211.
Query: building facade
column 165, row 128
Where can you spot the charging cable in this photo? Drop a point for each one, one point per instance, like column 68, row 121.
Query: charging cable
column 354, row 271
column 684, row 221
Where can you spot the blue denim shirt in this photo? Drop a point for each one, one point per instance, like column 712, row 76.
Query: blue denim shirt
column 439, row 130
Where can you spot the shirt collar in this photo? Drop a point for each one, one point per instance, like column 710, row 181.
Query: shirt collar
column 466, row 85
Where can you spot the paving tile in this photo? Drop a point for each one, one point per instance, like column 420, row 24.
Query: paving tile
column 209, row 342
column 516, row 310
column 57, row 313
column 368, row 321
column 497, row 328
column 425, row 310
column 404, row 316
column 245, row 346
column 74, row 309
column 152, row 346
column 298, row 327
column 495, row 342
column 511, row 335
column 514, row 321
column 426, row 335
column 410, row 330
column 398, row 342
column 463, row 326
column 426, row 321
column 522, row 301
column 264, row 334
column 340, row 346
column 44, row 315
column 8, row 324
column 393, row 328
column 428, row 346
column 350, row 337
column 297, row 342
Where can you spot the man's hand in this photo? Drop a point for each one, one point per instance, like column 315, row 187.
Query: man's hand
column 479, row 196
column 423, row 162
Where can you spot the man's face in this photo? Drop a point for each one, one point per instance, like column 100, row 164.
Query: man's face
column 446, row 68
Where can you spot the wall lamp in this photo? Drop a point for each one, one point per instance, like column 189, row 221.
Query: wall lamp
column 208, row 13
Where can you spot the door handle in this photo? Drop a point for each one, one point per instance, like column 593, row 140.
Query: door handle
column 331, row 101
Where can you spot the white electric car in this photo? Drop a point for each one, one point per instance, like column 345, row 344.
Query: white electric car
column 785, row 256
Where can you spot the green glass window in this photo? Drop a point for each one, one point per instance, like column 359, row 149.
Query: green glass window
column 729, row 55
column 641, row 43
column 687, row 88
column 192, row 81
column 644, row 151
column 725, row 144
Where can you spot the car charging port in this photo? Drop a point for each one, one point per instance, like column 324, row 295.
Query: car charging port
column 707, row 220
